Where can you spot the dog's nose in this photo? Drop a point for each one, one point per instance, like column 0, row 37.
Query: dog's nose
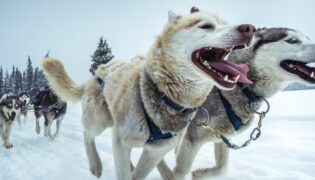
column 246, row 29
column 13, row 114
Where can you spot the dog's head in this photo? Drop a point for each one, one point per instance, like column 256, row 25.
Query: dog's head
column 278, row 57
column 10, row 106
column 24, row 98
column 200, row 43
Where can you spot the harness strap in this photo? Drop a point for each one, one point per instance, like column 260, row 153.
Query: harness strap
column 100, row 81
column 155, row 132
column 233, row 117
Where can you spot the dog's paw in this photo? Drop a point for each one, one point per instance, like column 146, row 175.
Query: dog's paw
column 96, row 172
column 199, row 173
column 37, row 130
column 8, row 145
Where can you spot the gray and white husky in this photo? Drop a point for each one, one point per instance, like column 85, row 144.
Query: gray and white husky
column 279, row 56
column 10, row 109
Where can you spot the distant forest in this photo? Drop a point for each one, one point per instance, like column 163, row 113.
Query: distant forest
column 17, row 81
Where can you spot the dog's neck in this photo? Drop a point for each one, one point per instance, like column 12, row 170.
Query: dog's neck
column 174, row 79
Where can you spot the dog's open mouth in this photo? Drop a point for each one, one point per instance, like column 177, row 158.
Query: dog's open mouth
column 212, row 61
column 299, row 68
column 11, row 118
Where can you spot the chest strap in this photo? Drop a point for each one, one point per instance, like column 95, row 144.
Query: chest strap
column 155, row 132
column 233, row 117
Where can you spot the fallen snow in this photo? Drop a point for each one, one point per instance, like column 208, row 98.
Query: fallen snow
column 284, row 151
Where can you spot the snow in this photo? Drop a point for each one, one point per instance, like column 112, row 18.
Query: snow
column 284, row 151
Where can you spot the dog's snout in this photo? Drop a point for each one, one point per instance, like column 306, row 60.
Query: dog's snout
column 13, row 114
column 246, row 29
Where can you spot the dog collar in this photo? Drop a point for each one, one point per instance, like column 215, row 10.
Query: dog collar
column 100, row 81
column 178, row 107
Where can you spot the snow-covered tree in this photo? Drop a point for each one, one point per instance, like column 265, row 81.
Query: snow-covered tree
column 102, row 55
column 47, row 54
column 29, row 74
column 1, row 81
column 18, row 81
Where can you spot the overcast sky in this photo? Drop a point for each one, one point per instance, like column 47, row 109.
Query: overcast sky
column 71, row 29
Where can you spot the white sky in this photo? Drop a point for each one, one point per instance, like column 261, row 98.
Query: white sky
column 71, row 29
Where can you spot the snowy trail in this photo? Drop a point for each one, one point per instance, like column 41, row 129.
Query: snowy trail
column 284, row 151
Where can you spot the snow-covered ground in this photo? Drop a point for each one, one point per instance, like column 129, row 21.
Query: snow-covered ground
column 284, row 151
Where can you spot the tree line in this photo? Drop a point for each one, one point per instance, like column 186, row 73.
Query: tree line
column 17, row 81
column 32, row 80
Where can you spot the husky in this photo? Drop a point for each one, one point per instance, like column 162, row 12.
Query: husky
column 149, row 103
column 279, row 56
column 25, row 99
column 49, row 105
column 10, row 109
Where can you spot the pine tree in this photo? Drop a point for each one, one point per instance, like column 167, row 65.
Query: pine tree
column 18, row 81
column 35, row 79
column 12, row 80
column 1, row 81
column 29, row 74
column 47, row 54
column 42, row 81
column 24, row 82
column 102, row 55
column 7, row 86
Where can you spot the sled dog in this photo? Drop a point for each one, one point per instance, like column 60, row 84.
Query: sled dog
column 10, row 109
column 25, row 99
column 49, row 105
column 279, row 56
column 149, row 103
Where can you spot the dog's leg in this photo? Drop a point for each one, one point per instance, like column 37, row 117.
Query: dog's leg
column 121, row 157
column 7, row 131
column 46, row 123
column 92, row 154
column 58, row 124
column 221, row 153
column 19, row 121
column 49, row 128
column 37, row 126
column 148, row 160
column 3, row 135
column 165, row 171
column 186, row 154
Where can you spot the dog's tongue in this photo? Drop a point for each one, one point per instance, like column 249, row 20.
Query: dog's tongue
column 233, row 69
column 304, row 69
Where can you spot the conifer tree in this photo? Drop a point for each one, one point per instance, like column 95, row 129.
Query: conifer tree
column 29, row 74
column 102, row 55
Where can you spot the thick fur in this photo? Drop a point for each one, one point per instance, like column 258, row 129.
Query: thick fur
column 132, row 88
column 50, row 106
column 271, row 46
column 25, row 99
column 10, row 109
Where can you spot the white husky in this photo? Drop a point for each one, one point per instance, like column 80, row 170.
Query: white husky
column 149, row 103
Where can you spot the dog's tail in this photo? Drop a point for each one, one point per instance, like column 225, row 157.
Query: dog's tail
column 60, row 81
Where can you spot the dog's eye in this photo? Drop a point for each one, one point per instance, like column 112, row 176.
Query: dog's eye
column 17, row 106
column 9, row 106
column 293, row 41
column 207, row 26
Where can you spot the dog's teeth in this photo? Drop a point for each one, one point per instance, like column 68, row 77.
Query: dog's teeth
column 226, row 78
column 227, row 55
column 237, row 78
column 291, row 66
column 312, row 74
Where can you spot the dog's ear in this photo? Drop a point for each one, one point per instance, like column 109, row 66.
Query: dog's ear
column 193, row 10
column 172, row 17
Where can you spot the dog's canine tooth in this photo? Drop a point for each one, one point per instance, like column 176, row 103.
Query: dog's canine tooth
column 312, row 75
column 237, row 78
column 226, row 78
column 291, row 66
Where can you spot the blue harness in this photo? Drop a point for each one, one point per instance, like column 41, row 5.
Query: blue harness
column 233, row 117
column 155, row 132
column 100, row 81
